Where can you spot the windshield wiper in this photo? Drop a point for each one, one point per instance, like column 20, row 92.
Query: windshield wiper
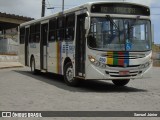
column 112, row 22
column 136, row 20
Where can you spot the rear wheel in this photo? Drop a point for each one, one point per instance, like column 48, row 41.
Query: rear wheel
column 69, row 75
column 120, row 82
column 33, row 65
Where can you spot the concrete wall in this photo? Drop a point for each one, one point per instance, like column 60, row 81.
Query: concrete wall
column 9, row 58
column 8, row 46
column 156, row 59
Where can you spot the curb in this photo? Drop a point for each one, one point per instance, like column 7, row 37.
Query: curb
column 11, row 67
column 8, row 55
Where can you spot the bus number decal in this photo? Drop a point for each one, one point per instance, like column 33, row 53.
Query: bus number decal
column 102, row 60
column 68, row 49
column 71, row 49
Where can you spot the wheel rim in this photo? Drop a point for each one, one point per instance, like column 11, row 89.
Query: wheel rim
column 69, row 74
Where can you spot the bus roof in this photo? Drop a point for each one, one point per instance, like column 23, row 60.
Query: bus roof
column 80, row 7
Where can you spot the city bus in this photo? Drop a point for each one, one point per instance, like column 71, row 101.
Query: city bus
column 94, row 41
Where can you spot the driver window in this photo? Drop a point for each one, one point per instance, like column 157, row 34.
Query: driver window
column 139, row 32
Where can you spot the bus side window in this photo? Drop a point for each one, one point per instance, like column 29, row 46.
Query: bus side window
column 70, row 26
column 37, row 33
column 52, row 30
column 22, row 35
column 60, row 29
column 32, row 34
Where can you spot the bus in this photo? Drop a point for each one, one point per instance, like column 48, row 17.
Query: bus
column 94, row 41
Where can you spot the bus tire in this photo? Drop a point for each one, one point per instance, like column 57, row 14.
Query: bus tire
column 120, row 82
column 33, row 65
column 69, row 75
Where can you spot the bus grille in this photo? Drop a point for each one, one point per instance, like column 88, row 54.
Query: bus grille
column 131, row 66
column 116, row 74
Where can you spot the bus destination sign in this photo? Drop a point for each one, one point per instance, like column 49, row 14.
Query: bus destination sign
column 119, row 8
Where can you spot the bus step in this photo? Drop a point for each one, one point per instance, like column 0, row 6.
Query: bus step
column 79, row 77
column 43, row 71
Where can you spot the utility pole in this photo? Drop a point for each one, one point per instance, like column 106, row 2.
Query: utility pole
column 43, row 8
column 62, row 5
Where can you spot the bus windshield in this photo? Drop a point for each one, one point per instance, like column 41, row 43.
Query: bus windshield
column 129, row 35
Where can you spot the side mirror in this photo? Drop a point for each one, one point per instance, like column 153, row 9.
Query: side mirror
column 86, row 23
column 152, row 32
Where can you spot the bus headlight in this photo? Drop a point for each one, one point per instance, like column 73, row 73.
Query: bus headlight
column 145, row 65
column 95, row 62
column 92, row 59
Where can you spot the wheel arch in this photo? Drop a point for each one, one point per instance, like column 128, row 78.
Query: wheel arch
column 32, row 56
column 67, row 60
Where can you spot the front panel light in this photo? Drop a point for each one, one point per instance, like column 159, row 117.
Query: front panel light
column 92, row 59
column 145, row 65
column 95, row 62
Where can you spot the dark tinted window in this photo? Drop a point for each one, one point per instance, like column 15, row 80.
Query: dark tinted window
column 32, row 34
column 70, row 28
column 52, row 30
column 37, row 33
column 22, row 35
column 60, row 29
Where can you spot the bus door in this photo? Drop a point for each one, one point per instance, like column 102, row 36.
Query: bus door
column 80, row 46
column 27, row 46
column 43, row 46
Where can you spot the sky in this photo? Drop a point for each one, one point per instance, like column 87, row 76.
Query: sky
column 32, row 8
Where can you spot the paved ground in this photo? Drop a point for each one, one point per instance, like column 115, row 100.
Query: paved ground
column 20, row 90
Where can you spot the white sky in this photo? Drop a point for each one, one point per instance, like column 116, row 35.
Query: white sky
column 32, row 8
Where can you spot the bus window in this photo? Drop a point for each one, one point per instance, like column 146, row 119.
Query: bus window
column 60, row 29
column 70, row 25
column 37, row 33
column 22, row 35
column 52, row 30
column 32, row 34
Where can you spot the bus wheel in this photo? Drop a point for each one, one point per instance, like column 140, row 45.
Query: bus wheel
column 120, row 82
column 69, row 75
column 33, row 70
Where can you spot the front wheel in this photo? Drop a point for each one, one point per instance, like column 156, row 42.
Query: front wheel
column 69, row 75
column 120, row 82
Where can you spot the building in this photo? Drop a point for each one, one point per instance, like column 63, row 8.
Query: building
column 9, row 32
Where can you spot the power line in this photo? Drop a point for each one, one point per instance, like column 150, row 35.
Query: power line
column 155, row 7
column 155, row 14
column 50, row 7
column 61, row 5
column 43, row 8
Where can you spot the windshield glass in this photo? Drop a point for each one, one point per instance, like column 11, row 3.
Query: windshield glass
column 123, row 35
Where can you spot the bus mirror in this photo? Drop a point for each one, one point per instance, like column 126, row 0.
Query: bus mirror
column 152, row 32
column 86, row 23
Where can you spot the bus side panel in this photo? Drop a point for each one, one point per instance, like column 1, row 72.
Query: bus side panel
column 21, row 54
column 57, row 53
column 56, row 57
column 67, row 52
column 37, row 56
column 52, row 57
column 34, row 49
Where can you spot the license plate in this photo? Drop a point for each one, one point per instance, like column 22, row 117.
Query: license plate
column 124, row 73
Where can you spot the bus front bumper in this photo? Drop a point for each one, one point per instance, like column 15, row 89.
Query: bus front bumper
column 96, row 73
